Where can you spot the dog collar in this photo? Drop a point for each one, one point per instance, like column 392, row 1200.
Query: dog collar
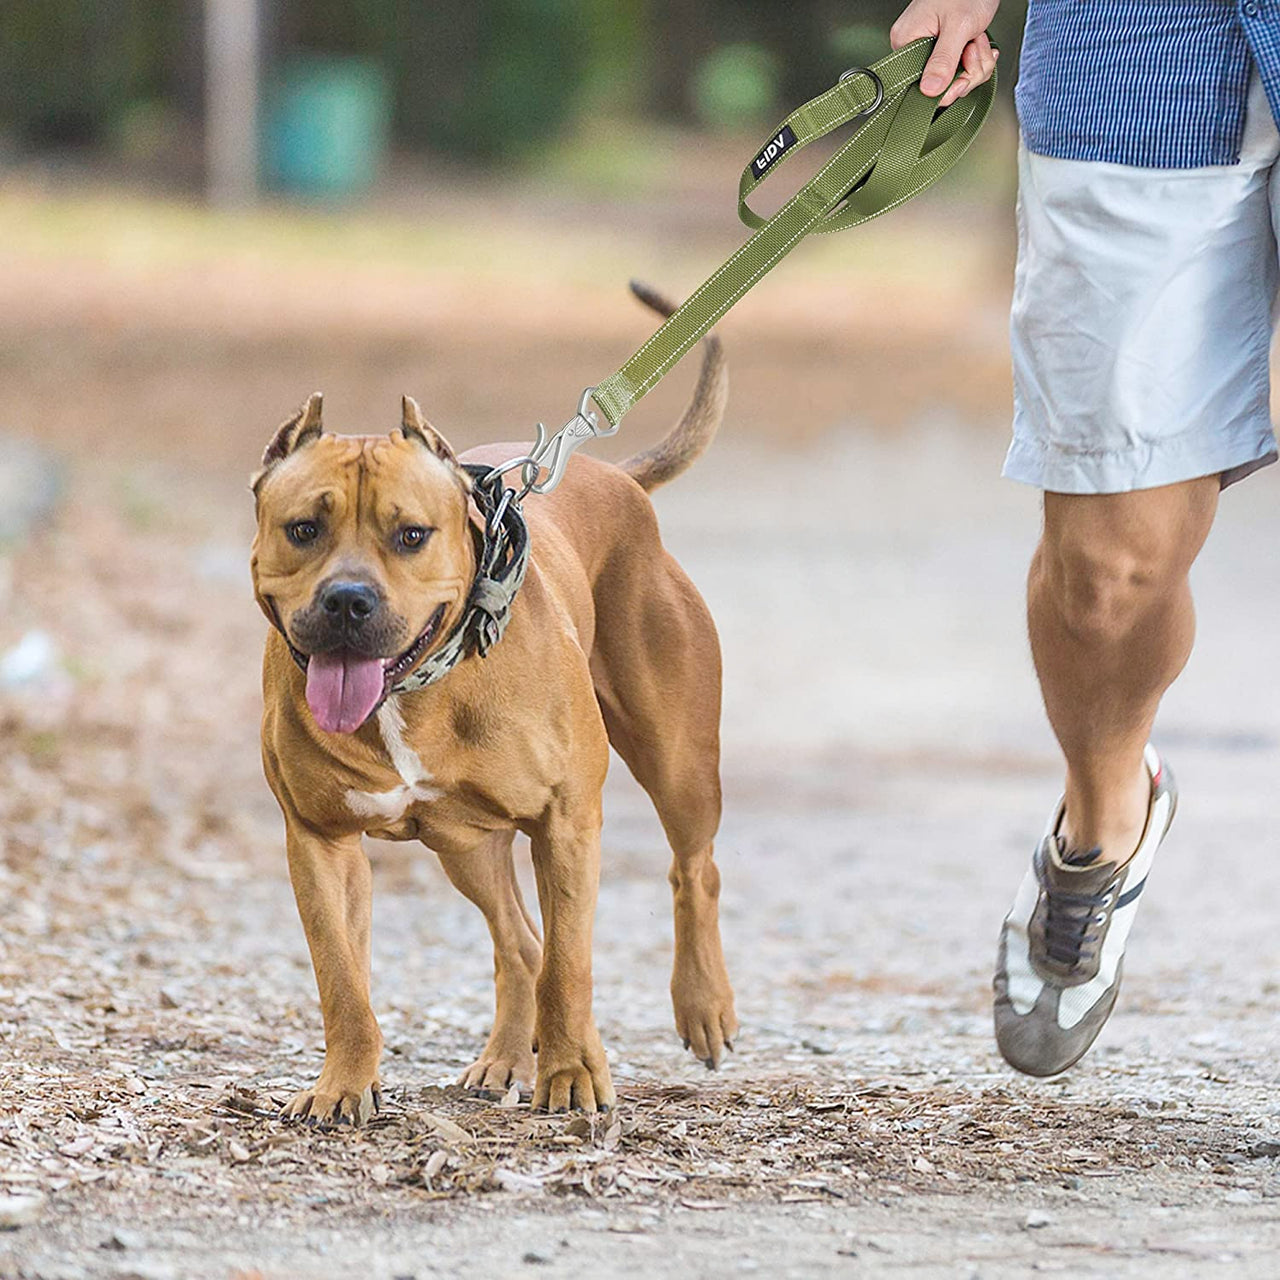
column 504, row 558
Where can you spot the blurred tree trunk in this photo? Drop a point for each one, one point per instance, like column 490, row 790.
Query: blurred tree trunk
column 233, row 82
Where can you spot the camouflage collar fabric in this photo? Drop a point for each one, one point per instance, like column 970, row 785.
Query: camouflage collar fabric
column 504, row 558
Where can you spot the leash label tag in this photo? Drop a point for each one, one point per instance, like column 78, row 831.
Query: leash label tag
column 773, row 151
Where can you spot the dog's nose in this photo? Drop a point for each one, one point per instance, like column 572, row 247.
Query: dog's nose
column 349, row 602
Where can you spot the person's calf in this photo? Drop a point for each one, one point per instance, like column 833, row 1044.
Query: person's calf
column 1111, row 624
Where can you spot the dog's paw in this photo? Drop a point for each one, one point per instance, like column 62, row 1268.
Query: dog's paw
column 496, row 1070
column 323, row 1107
column 705, row 1019
column 575, row 1080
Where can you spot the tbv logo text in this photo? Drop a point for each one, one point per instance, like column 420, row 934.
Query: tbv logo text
column 773, row 150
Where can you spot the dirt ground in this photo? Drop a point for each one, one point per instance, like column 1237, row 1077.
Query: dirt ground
column 886, row 773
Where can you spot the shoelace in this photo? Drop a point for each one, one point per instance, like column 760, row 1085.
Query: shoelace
column 1072, row 919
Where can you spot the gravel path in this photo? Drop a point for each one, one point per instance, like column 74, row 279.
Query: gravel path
column 887, row 771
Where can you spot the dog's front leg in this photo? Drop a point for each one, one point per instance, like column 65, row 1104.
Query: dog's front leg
column 332, row 884
column 572, row 1070
column 487, row 875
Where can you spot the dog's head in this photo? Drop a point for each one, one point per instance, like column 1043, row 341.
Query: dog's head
column 364, row 553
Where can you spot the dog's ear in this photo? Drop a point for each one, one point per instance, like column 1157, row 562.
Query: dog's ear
column 302, row 428
column 416, row 427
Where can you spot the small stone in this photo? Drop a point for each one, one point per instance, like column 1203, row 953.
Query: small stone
column 121, row 1239
column 1036, row 1219
column 30, row 660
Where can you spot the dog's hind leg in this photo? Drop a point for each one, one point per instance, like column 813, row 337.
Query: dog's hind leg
column 657, row 674
column 487, row 876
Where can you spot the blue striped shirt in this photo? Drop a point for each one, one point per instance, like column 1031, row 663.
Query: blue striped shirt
column 1157, row 83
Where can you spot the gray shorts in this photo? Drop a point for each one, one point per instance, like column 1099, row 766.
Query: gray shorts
column 1143, row 311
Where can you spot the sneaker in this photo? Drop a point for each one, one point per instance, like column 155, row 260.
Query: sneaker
column 1062, row 945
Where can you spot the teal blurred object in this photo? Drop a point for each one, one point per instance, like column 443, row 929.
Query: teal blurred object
column 326, row 126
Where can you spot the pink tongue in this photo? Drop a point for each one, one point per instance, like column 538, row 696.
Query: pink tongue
column 342, row 690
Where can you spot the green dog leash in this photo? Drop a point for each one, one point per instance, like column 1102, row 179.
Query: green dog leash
column 903, row 145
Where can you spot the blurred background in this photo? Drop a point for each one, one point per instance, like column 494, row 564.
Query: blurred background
column 210, row 210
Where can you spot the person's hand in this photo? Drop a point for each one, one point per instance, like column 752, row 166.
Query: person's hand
column 963, row 46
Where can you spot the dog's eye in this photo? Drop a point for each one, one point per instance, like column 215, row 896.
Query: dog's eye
column 300, row 532
column 412, row 537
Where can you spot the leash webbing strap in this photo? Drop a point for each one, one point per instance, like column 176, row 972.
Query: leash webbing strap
column 904, row 144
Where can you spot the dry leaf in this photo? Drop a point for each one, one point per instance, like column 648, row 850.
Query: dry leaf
column 446, row 1128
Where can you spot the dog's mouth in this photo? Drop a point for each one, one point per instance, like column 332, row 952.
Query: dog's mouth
column 344, row 688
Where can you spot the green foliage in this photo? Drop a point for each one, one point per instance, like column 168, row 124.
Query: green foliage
column 736, row 87
column 530, row 67
column 69, row 69
column 343, row 26
column 485, row 79
column 494, row 79
column 860, row 45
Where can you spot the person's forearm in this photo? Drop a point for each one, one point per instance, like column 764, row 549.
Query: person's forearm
column 963, row 57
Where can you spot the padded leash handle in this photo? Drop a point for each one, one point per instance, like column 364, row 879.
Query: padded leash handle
column 903, row 145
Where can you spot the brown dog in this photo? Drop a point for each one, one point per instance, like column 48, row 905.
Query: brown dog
column 365, row 554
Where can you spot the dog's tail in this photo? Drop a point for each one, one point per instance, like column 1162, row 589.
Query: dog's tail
column 679, row 450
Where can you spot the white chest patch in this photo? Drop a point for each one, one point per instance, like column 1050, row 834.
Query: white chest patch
column 416, row 785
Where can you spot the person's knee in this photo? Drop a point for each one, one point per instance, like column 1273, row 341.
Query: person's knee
column 1103, row 586
column 1101, row 592
column 1109, row 563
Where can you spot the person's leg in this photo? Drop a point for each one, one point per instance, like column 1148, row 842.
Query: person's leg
column 1141, row 327
column 1111, row 622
